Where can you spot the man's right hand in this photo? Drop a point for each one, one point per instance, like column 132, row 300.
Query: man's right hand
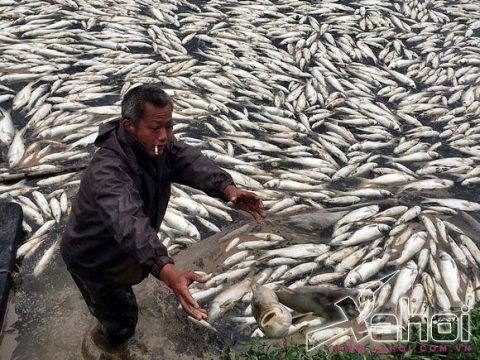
column 246, row 201
column 179, row 281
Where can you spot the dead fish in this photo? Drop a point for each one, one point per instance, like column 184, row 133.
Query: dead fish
column 320, row 301
column 228, row 298
column 272, row 317
column 314, row 221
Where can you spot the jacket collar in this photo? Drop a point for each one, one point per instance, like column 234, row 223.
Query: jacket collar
column 112, row 135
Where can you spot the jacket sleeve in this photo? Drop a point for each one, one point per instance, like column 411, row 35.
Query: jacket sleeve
column 190, row 167
column 121, row 209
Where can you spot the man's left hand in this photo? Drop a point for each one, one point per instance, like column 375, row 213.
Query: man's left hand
column 179, row 281
column 246, row 201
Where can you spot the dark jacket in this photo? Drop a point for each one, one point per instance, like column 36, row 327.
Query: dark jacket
column 111, row 235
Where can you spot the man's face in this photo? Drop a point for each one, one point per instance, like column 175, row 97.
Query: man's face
column 154, row 128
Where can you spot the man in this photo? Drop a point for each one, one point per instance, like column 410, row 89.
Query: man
column 110, row 242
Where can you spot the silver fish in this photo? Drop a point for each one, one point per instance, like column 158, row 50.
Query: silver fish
column 272, row 317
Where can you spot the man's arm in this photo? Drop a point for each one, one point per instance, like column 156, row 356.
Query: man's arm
column 190, row 167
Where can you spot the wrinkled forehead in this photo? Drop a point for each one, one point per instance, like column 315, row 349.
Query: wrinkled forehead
column 154, row 113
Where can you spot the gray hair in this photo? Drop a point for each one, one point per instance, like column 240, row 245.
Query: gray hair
column 133, row 103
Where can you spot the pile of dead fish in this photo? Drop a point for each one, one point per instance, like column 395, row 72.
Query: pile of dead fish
column 368, row 104
column 378, row 258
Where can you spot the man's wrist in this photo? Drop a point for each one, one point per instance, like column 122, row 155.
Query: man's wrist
column 229, row 192
column 166, row 273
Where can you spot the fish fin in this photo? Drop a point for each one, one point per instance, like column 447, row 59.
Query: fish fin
column 335, row 243
column 30, row 112
column 263, row 255
column 302, row 317
column 284, row 288
column 203, row 323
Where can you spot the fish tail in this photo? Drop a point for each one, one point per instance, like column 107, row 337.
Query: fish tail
column 286, row 289
column 388, row 251
column 263, row 254
column 363, row 181
column 253, row 284
column 250, row 277
column 390, row 159
column 476, row 272
column 22, row 131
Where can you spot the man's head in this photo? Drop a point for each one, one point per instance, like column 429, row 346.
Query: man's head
column 147, row 115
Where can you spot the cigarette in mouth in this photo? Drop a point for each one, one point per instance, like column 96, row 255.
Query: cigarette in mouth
column 156, row 150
